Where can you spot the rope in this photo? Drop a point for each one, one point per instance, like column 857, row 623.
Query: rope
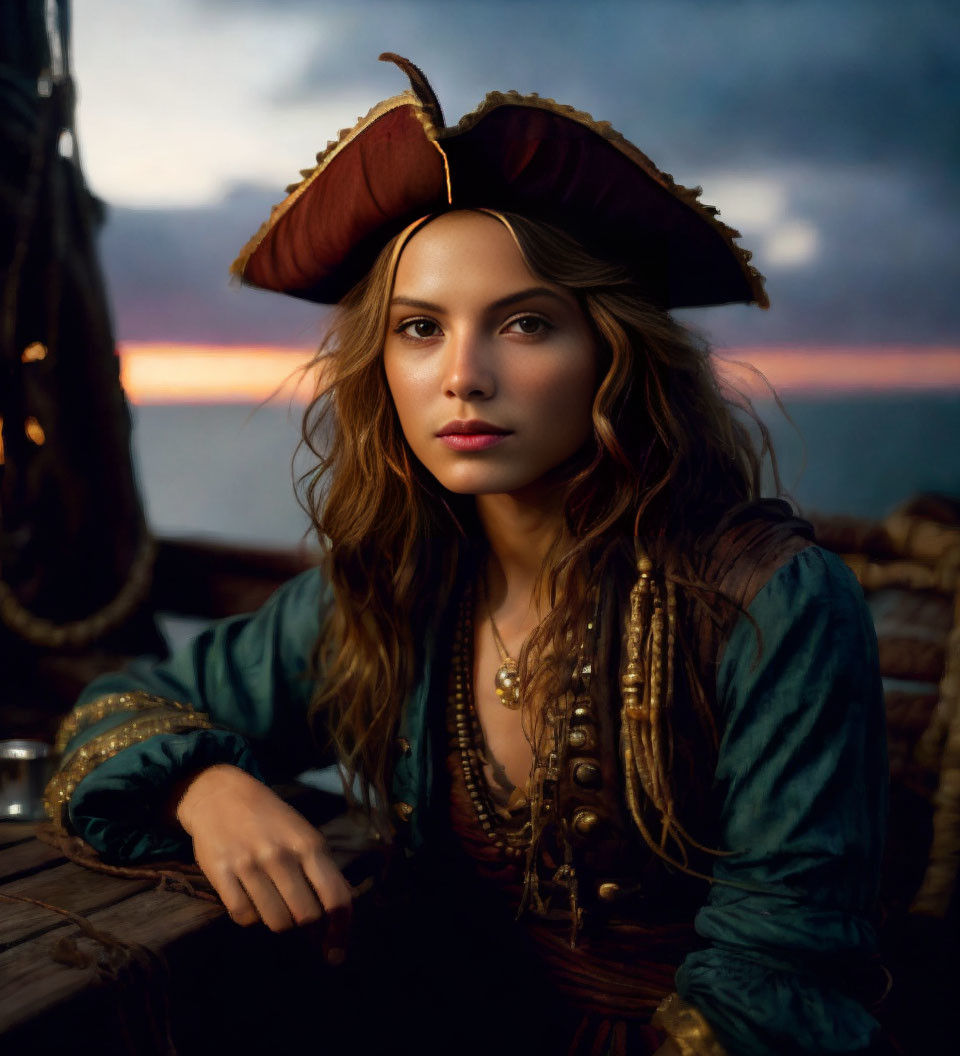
column 46, row 633
column 168, row 876
column 141, row 974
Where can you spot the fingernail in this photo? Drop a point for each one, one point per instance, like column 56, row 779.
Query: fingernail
column 336, row 957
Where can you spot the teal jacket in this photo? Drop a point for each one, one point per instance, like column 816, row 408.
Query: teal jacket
column 801, row 781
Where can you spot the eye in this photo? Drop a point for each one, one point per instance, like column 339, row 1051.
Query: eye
column 529, row 325
column 422, row 328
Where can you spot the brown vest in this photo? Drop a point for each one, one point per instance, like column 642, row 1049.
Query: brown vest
column 614, row 866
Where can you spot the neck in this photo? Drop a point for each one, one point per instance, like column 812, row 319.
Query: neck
column 520, row 533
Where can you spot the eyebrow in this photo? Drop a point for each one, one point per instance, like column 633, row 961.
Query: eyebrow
column 503, row 302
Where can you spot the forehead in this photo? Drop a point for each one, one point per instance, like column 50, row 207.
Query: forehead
column 461, row 248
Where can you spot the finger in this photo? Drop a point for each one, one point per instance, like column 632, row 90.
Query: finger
column 236, row 901
column 302, row 901
column 267, row 899
column 335, row 894
column 337, row 937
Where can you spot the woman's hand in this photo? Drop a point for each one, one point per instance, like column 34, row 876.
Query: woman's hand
column 265, row 860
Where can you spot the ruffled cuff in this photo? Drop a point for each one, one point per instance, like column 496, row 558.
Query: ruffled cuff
column 762, row 1010
column 687, row 1027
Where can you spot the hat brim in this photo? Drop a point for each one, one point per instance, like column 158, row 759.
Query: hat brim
column 516, row 153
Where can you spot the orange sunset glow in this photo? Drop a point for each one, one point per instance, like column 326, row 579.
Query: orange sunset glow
column 154, row 373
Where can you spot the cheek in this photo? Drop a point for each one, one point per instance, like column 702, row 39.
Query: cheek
column 568, row 396
column 398, row 385
column 405, row 390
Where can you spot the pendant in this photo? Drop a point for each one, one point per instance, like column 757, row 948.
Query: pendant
column 507, row 684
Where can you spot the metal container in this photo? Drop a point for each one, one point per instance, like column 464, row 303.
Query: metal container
column 25, row 769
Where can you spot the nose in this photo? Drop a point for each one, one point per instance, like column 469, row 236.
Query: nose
column 468, row 365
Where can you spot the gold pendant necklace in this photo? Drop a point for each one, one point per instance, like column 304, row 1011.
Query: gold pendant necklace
column 507, row 679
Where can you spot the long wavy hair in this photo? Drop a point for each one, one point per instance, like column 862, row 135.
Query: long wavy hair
column 669, row 454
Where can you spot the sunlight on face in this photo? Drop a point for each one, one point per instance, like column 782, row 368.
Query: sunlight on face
column 473, row 334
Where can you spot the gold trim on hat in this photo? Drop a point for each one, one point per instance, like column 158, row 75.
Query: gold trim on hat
column 333, row 148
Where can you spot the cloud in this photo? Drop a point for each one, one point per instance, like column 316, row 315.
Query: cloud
column 792, row 244
column 208, row 91
column 167, row 273
column 885, row 272
column 697, row 82
column 183, row 108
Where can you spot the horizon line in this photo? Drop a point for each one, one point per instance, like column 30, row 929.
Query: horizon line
column 172, row 372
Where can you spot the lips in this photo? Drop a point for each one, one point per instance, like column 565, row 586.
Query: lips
column 472, row 427
column 472, row 441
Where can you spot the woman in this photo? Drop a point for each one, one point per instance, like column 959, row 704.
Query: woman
column 579, row 668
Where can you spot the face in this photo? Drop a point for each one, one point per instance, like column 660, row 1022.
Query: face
column 473, row 334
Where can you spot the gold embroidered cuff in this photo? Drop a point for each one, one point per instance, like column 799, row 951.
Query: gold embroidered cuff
column 85, row 716
column 688, row 1028
column 164, row 716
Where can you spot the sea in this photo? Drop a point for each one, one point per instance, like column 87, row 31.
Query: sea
column 227, row 471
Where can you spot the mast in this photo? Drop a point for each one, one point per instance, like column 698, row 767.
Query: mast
column 76, row 556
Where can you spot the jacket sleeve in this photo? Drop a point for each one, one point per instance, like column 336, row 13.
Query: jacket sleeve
column 802, row 786
column 239, row 693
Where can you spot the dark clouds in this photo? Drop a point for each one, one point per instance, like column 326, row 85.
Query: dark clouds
column 887, row 271
column 697, row 81
column 167, row 271
column 853, row 107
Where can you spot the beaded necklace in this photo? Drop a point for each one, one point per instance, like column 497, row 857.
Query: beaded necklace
column 508, row 837
column 512, row 840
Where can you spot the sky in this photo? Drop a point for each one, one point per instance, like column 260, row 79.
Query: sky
column 828, row 133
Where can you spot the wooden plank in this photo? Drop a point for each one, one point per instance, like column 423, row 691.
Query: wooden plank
column 24, row 858
column 33, row 983
column 16, row 832
column 68, row 886
column 42, row 1000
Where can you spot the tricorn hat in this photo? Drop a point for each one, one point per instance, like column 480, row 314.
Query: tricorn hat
column 516, row 153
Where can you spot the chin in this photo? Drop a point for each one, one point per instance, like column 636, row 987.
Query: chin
column 491, row 485
column 461, row 488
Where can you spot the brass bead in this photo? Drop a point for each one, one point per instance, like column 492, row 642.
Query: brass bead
column 584, row 822
column 577, row 738
column 587, row 775
column 403, row 810
column 608, row 891
column 581, row 712
column 404, row 745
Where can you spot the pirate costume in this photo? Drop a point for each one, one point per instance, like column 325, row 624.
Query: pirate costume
column 622, row 944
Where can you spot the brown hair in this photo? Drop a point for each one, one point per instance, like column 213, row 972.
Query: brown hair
column 669, row 455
